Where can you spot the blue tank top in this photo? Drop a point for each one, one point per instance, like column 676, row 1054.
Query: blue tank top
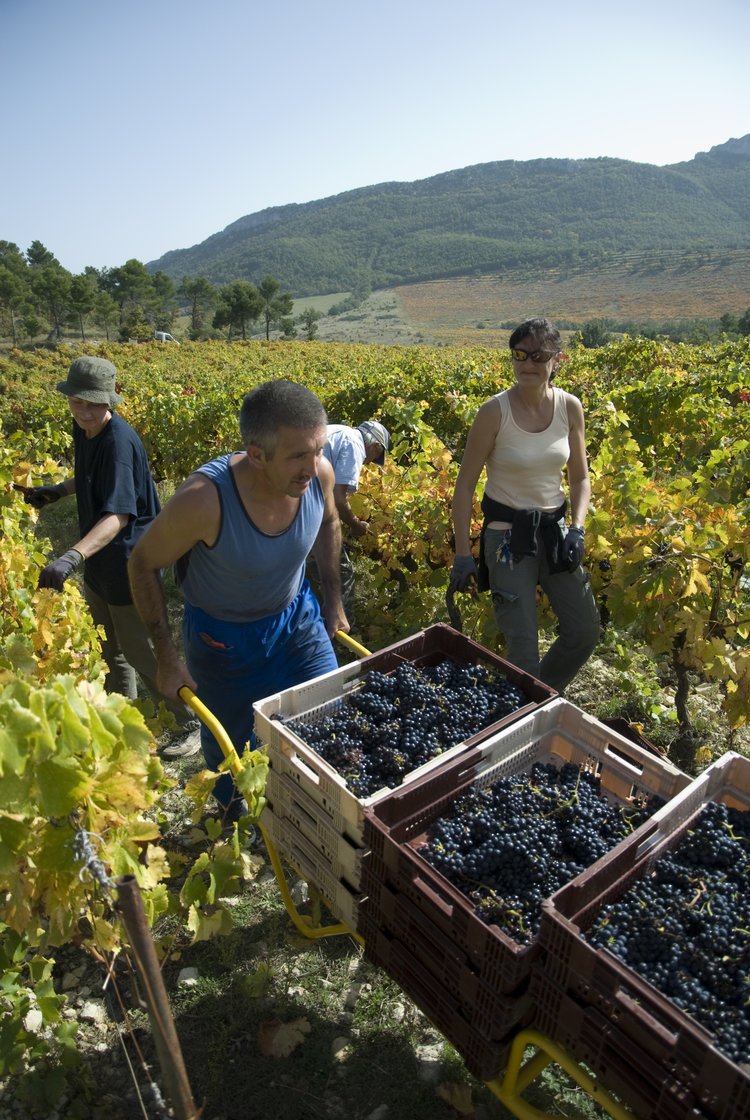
column 247, row 574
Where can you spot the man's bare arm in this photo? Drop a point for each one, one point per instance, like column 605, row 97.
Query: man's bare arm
column 356, row 525
column 191, row 515
column 327, row 550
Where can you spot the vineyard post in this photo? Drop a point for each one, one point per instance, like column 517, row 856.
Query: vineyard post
column 130, row 905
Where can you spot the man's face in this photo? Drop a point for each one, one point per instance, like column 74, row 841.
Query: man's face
column 92, row 418
column 295, row 459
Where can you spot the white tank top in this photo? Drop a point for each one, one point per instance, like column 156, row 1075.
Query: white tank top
column 524, row 469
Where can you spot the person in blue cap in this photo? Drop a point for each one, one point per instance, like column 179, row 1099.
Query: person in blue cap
column 347, row 450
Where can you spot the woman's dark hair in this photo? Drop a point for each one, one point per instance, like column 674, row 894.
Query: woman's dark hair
column 545, row 334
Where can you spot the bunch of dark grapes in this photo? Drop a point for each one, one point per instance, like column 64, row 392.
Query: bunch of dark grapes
column 510, row 846
column 686, row 926
column 395, row 722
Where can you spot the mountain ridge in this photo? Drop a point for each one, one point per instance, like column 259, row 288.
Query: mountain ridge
column 484, row 218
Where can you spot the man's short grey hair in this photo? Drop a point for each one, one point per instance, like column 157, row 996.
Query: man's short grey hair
column 277, row 404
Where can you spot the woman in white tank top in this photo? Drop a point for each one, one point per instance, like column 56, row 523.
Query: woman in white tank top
column 524, row 438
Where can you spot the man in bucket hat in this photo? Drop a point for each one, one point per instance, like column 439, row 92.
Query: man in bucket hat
column 116, row 500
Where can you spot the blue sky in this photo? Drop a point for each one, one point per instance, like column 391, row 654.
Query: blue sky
column 133, row 128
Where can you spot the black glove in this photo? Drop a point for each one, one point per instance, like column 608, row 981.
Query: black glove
column 573, row 547
column 55, row 574
column 39, row 496
column 463, row 571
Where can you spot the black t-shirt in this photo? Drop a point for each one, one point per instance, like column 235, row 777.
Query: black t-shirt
column 113, row 476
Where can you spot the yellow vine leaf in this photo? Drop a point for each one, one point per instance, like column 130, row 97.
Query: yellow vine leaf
column 278, row 1040
column 457, row 1097
column 214, row 921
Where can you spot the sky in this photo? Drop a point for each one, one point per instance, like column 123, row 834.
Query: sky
column 132, row 128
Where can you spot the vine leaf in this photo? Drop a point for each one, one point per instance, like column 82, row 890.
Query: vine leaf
column 457, row 1097
column 278, row 1040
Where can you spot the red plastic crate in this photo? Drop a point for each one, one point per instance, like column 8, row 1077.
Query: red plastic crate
column 486, row 1008
column 485, row 1057
column 325, row 695
column 586, row 1035
column 652, row 1024
column 397, row 825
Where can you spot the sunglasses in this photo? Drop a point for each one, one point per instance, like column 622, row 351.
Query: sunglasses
column 536, row 356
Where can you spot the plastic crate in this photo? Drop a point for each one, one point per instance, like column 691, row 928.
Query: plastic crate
column 291, row 804
column 325, row 695
column 394, row 827
column 341, row 897
column 485, row 1056
column 487, row 1010
column 588, row 1037
column 650, row 1021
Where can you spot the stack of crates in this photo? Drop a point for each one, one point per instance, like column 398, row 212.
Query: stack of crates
column 471, row 979
column 656, row 1057
column 313, row 820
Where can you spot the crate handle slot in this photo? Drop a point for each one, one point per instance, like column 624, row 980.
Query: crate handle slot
column 295, row 756
column 443, row 905
column 622, row 756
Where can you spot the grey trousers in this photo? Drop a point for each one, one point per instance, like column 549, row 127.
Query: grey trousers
column 514, row 604
column 128, row 649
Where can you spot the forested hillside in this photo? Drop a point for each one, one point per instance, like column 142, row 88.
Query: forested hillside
column 486, row 218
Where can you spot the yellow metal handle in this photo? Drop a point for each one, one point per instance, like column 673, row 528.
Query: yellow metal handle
column 213, row 726
column 344, row 637
column 303, row 923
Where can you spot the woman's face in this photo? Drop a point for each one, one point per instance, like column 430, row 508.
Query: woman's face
column 533, row 363
column 92, row 418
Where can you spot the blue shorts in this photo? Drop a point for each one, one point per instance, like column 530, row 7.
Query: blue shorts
column 237, row 663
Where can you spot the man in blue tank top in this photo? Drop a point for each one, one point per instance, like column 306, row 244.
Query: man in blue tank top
column 238, row 531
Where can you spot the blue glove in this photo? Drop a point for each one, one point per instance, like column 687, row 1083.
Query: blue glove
column 56, row 572
column 463, row 571
column 39, row 496
column 573, row 547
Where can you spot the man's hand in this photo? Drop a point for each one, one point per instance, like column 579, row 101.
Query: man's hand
column 358, row 528
column 335, row 620
column 40, row 496
column 171, row 675
column 55, row 573
column 573, row 547
column 464, row 570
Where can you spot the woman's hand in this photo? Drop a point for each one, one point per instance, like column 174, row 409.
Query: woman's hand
column 573, row 547
column 464, row 570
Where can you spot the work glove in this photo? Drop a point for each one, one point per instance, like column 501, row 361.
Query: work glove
column 573, row 547
column 463, row 571
column 55, row 573
column 39, row 496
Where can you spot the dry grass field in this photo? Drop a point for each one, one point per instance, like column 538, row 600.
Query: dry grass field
column 470, row 311
column 654, row 288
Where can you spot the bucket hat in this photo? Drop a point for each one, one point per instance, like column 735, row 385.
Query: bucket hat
column 91, row 379
column 373, row 432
